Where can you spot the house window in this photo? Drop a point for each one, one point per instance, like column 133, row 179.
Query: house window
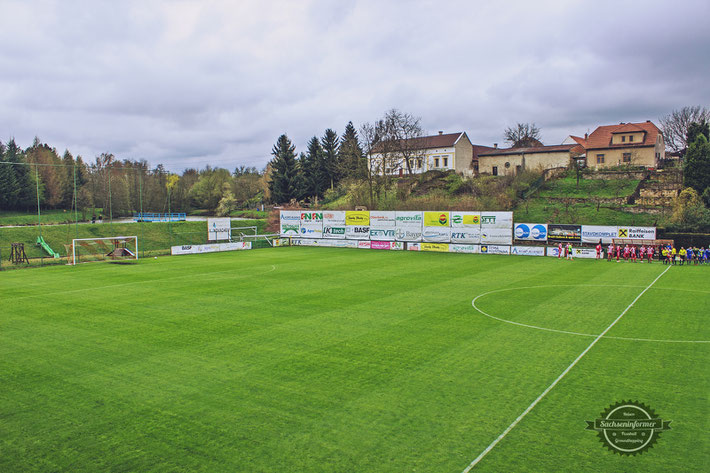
column 631, row 138
column 507, row 164
column 446, row 162
column 495, row 170
column 518, row 168
column 623, row 139
column 436, row 162
column 600, row 159
column 626, row 157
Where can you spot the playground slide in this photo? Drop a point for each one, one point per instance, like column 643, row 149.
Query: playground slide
column 46, row 247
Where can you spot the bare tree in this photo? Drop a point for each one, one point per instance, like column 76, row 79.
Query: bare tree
column 523, row 135
column 403, row 134
column 675, row 125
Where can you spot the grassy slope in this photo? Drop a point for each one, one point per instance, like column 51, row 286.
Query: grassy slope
column 329, row 360
column 47, row 216
column 152, row 236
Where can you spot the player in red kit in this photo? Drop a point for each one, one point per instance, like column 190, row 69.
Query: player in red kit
column 599, row 249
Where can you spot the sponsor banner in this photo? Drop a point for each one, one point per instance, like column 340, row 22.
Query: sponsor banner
column 465, row 219
column 279, row 242
column 456, row 248
column 409, row 218
column 364, row 244
column 382, row 218
column 496, row 236
column 408, row 233
column 388, row 234
column 219, row 229
column 466, row 235
column 436, row 219
column 311, row 230
column 639, row 233
column 528, row 250
column 209, row 248
column 586, row 253
column 496, row 220
column 440, row 247
column 530, row 231
column 359, row 218
column 334, row 218
column 413, row 246
column 495, row 250
column 305, row 242
column 290, row 216
column 290, row 229
column 337, row 243
column 386, row 245
column 353, row 232
column 594, row 233
column 561, row 232
column 312, row 218
column 436, row 234
column 330, row 231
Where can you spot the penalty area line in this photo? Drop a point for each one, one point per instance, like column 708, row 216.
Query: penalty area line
column 559, row 378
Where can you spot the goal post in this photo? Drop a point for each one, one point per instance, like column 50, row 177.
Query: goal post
column 118, row 248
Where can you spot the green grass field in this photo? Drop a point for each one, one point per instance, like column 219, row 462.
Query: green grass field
column 340, row 360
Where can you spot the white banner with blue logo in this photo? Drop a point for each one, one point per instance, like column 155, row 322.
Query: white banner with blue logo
column 530, row 231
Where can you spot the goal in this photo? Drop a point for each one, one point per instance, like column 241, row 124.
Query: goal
column 119, row 248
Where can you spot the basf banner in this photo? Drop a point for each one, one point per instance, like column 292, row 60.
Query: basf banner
column 561, row 232
column 360, row 218
column 311, row 224
column 357, row 232
column 408, row 225
column 382, row 225
column 219, row 229
column 638, row 233
column 290, row 222
column 530, row 231
column 334, row 224
column 594, row 233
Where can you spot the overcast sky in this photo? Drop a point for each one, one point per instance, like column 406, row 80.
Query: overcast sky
column 216, row 82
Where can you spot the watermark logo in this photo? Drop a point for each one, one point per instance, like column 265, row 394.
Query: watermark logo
column 628, row 427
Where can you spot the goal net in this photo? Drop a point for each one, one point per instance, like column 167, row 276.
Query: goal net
column 119, row 248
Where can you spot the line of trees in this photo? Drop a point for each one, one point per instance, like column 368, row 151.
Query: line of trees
column 119, row 187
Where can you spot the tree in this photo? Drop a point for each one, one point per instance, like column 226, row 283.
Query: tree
column 523, row 135
column 696, row 129
column 9, row 190
column 227, row 203
column 696, row 166
column 400, row 134
column 24, row 177
column 689, row 212
column 351, row 161
column 675, row 126
column 330, row 144
column 283, row 176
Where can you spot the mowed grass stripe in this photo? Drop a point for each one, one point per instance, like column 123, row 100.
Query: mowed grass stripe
column 380, row 364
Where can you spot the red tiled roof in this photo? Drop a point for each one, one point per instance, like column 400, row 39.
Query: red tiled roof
column 529, row 150
column 446, row 140
column 601, row 137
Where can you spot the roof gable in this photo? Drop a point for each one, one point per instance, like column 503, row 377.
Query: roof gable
column 601, row 137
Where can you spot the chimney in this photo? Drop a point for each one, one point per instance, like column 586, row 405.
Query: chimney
column 495, row 145
column 441, row 132
column 586, row 135
column 648, row 121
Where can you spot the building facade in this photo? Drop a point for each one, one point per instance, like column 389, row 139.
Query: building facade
column 630, row 144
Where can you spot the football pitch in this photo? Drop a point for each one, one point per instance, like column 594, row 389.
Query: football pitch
column 342, row 360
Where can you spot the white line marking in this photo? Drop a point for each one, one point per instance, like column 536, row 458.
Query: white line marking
column 567, row 332
column 554, row 383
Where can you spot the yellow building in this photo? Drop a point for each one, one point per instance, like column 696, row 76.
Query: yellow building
column 632, row 144
column 510, row 161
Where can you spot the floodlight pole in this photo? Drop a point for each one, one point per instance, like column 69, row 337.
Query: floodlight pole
column 39, row 212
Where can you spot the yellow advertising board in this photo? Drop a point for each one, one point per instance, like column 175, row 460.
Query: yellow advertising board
column 441, row 247
column 360, row 218
column 436, row 219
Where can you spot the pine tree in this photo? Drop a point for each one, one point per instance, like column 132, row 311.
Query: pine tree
column 25, row 198
column 283, row 177
column 68, row 181
column 329, row 142
column 351, row 159
column 9, row 190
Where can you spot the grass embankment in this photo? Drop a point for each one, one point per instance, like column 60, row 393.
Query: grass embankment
column 153, row 238
column 47, row 217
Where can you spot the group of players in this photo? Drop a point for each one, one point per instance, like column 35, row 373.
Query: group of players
column 666, row 254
